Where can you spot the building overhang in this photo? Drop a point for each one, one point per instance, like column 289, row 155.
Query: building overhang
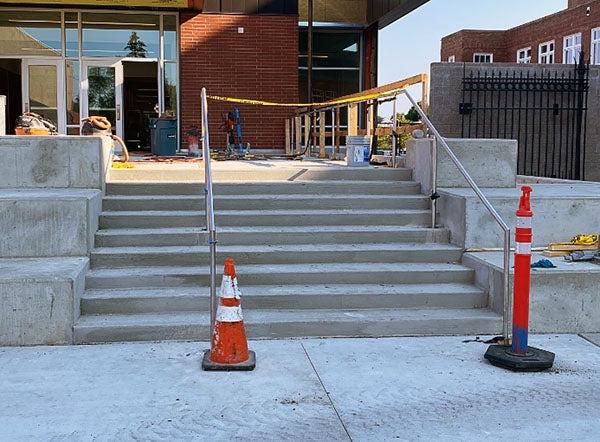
column 148, row 4
column 387, row 12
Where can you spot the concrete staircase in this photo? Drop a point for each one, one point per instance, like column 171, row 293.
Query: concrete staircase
column 341, row 254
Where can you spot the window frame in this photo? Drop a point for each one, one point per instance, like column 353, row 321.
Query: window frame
column 483, row 54
column 566, row 48
column 528, row 55
column 548, row 53
column 595, row 46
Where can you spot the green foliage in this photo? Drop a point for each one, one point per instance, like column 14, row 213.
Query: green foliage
column 136, row 47
column 413, row 115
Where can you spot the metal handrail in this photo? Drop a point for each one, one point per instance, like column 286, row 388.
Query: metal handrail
column 210, row 213
column 506, row 319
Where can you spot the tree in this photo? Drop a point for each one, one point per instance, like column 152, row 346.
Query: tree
column 136, row 47
column 413, row 115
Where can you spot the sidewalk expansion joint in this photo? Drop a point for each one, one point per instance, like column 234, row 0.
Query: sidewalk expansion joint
column 326, row 392
column 585, row 338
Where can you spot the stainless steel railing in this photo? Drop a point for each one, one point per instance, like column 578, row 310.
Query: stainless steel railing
column 211, row 231
column 506, row 320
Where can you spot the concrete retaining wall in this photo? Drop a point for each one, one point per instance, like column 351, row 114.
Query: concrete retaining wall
column 562, row 300
column 491, row 163
column 54, row 162
column 39, row 300
column 560, row 212
column 52, row 222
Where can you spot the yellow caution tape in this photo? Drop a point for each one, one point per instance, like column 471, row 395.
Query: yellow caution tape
column 323, row 104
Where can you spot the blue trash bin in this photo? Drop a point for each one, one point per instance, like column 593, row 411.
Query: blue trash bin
column 163, row 136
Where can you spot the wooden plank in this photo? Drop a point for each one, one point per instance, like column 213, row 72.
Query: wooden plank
column 322, row 152
column 298, row 134
column 416, row 79
column 307, row 133
column 288, row 144
column 338, row 133
column 353, row 119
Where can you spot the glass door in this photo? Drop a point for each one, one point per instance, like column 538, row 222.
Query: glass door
column 42, row 85
column 102, row 92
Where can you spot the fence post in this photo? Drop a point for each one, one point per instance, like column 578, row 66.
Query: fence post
column 287, row 137
column 337, row 133
column 298, row 134
column 353, row 119
column 307, row 139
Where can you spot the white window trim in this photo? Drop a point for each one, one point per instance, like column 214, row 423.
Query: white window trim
column 527, row 59
column 553, row 51
column 565, row 49
column 452, row 59
column 594, row 42
column 483, row 54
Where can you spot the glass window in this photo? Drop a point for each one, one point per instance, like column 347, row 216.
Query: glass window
column 596, row 46
column 43, row 94
column 329, row 84
column 547, row 53
column 483, row 58
column 171, row 89
column 71, row 35
column 30, row 33
column 524, row 55
column 72, row 89
column 331, row 49
column 101, row 93
column 122, row 35
column 572, row 49
column 170, row 37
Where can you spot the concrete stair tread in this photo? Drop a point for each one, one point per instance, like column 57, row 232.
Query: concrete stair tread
column 283, row 268
column 145, row 213
column 232, row 249
column 268, row 229
column 289, row 290
column 260, row 316
column 291, row 196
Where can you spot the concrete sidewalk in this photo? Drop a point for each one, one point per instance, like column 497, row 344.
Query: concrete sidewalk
column 331, row 389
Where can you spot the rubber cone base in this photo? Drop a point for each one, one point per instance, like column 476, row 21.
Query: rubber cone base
column 535, row 359
column 209, row 365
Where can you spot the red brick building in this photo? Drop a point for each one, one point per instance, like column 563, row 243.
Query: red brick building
column 132, row 60
column 556, row 38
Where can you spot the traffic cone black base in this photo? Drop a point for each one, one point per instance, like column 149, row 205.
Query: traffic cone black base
column 209, row 365
column 534, row 360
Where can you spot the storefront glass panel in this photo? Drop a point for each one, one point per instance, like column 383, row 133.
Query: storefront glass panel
column 30, row 33
column 331, row 48
column 171, row 89
column 101, row 92
column 170, row 37
column 124, row 35
column 72, row 86
column 43, row 91
column 71, row 35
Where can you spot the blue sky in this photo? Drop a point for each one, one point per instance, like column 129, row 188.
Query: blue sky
column 409, row 45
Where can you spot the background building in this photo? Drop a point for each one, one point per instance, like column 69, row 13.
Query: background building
column 556, row 38
column 68, row 59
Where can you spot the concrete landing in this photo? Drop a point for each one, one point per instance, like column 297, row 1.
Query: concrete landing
column 252, row 170
column 307, row 390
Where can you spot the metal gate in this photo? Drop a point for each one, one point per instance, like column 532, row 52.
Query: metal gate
column 544, row 110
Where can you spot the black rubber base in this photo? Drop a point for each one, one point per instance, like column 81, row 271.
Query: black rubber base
column 535, row 359
column 209, row 365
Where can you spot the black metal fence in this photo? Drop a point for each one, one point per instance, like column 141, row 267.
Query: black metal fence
column 545, row 111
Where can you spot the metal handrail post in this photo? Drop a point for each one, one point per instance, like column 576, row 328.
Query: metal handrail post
column 210, row 214
column 506, row 317
column 434, row 195
column 394, row 129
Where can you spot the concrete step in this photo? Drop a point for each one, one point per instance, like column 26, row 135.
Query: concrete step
column 280, row 274
column 286, row 297
column 189, row 218
column 265, row 202
column 258, row 235
column 107, row 257
column 274, row 188
column 258, row 172
column 290, row 323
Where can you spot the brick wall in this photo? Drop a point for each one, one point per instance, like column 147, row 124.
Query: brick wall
column 261, row 63
column 505, row 44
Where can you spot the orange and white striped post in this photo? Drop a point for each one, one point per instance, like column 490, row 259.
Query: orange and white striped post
column 229, row 346
column 519, row 356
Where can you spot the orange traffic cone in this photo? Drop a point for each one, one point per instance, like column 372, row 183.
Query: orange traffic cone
column 229, row 347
